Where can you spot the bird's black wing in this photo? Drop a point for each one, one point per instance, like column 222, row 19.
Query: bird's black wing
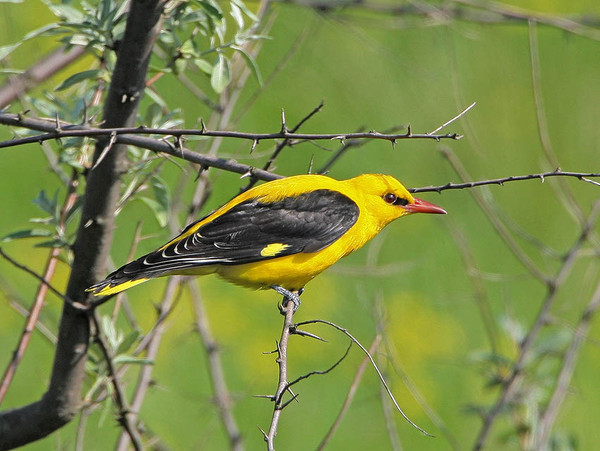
column 253, row 231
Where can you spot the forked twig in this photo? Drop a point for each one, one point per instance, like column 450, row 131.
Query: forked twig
column 381, row 378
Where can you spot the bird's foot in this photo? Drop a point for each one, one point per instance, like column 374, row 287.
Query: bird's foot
column 288, row 296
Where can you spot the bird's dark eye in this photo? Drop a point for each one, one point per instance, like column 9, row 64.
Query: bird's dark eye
column 390, row 198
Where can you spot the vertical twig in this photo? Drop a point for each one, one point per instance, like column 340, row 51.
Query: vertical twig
column 217, row 375
column 126, row 417
column 282, row 385
column 151, row 345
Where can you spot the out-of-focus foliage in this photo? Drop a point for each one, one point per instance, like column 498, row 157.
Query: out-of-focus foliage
column 436, row 289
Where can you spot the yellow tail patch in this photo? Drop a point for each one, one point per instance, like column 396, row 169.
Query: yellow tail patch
column 114, row 289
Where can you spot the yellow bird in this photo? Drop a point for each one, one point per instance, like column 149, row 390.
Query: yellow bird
column 278, row 235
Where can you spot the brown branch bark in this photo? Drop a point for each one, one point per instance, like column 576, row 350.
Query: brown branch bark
column 68, row 130
column 282, row 385
column 45, row 68
column 40, row 297
column 62, row 400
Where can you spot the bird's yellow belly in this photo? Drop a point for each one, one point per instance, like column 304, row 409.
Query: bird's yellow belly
column 291, row 272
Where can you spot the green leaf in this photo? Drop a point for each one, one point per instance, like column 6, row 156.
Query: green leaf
column 46, row 204
column 204, row 66
column 237, row 15
column 66, row 12
column 250, row 62
column 129, row 359
column 129, row 340
column 29, row 233
column 221, row 74
column 188, row 49
column 46, row 29
column 160, row 213
column 6, row 50
column 245, row 10
column 110, row 331
column 78, row 78
column 57, row 242
column 211, row 8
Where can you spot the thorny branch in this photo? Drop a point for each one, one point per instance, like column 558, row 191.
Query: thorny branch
column 282, row 385
column 583, row 176
column 68, row 130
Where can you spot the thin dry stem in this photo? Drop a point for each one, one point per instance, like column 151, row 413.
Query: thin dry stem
column 282, row 384
column 126, row 415
column 513, row 380
column 350, row 396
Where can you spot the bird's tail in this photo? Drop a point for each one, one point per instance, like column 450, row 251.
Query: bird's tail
column 126, row 277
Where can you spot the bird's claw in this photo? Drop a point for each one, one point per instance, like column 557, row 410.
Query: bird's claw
column 288, row 296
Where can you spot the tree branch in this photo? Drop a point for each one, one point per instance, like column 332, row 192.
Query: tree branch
column 126, row 416
column 282, row 384
column 49, row 65
column 68, row 130
column 62, row 400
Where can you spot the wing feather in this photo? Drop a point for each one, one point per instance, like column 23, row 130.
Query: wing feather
column 307, row 223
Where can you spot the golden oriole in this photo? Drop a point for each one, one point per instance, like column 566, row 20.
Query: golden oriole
column 279, row 234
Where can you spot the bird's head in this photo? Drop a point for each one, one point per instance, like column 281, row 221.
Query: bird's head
column 387, row 199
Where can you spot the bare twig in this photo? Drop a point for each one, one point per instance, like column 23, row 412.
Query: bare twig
column 217, row 374
column 282, row 385
column 50, row 64
column 548, row 417
column 458, row 116
column 381, row 378
column 125, row 413
column 498, row 225
column 151, row 344
column 350, row 396
column 41, row 279
column 487, row 12
column 70, row 130
column 512, row 381
column 563, row 190
column 283, row 144
column 501, row 181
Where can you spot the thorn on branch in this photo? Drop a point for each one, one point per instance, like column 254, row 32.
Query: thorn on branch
column 57, row 128
column 202, row 126
column 284, row 129
column 248, row 173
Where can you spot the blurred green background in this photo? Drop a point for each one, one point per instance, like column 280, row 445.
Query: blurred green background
column 373, row 71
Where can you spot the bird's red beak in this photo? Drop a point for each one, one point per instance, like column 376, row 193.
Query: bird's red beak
column 422, row 206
